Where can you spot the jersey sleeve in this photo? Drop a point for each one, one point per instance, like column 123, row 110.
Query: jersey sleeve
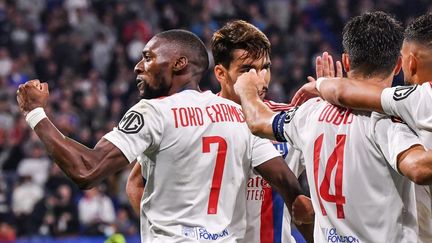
column 139, row 130
column 287, row 124
column 401, row 101
column 144, row 162
column 295, row 161
column 262, row 151
column 394, row 137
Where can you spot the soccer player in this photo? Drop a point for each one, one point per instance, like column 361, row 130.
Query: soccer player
column 198, row 147
column 409, row 103
column 237, row 47
column 353, row 159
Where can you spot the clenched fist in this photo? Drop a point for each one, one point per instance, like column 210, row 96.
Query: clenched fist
column 31, row 95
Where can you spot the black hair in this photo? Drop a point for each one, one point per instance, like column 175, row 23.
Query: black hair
column 190, row 44
column 420, row 30
column 373, row 42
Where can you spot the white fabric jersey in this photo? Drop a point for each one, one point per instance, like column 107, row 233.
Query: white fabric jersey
column 268, row 218
column 199, row 151
column 350, row 159
column 411, row 104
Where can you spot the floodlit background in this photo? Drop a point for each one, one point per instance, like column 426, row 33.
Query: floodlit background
column 86, row 51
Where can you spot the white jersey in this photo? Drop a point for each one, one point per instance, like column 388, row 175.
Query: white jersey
column 411, row 104
column 350, row 159
column 198, row 152
column 268, row 218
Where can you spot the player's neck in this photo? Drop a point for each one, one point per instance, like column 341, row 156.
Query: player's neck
column 185, row 86
column 224, row 94
column 375, row 80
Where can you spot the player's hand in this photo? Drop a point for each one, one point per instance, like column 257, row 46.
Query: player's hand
column 324, row 67
column 251, row 82
column 31, row 95
column 306, row 92
column 302, row 210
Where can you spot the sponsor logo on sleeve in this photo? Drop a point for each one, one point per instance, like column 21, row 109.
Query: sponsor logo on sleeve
column 132, row 122
column 402, row 92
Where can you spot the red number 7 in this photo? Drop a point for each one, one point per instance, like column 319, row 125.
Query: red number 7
column 218, row 172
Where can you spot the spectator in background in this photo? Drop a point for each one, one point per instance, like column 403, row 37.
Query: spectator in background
column 59, row 40
column 24, row 197
column 36, row 165
column 7, row 232
column 66, row 212
column 125, row 224
column 5, row 62
column 96, row 212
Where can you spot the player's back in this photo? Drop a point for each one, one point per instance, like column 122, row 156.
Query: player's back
column 410, row 104
column 350, row 163
column 195, row 188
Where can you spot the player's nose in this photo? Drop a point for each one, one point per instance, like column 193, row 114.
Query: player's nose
column 139, row 67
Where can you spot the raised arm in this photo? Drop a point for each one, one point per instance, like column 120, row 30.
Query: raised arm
column 85, row 166
column 135, row 188
column 258, row 115
column 350, row 93
column 324, row 68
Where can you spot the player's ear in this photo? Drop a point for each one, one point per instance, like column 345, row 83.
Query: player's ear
column 398, row 66
column 412, row 64
column 345, row 62
column 180, row 64
column 220, row 73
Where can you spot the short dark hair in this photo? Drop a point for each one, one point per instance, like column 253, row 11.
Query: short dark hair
column 190, row 44
column 420, row 30
column 373, row 42
column 238, row 34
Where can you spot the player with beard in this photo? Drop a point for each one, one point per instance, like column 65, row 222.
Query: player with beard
column 237, row 47
column 198, row 146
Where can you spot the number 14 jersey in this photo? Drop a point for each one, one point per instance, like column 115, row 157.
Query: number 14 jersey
column 350, row 158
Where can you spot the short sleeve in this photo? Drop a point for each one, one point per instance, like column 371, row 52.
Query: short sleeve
column 399, row 101
column 295, row 161
column 393, row 138
column 139, row 130
column 262, row 151
column 144, row 161
column 287, row 124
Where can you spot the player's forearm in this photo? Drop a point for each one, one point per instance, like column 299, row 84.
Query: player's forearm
column 352, row 94
column 417, row 165
column 79, row 163
column 281, row 178
column 258, row 115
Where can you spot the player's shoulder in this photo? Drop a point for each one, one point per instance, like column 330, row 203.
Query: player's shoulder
column 183, row 98
column 276, row 106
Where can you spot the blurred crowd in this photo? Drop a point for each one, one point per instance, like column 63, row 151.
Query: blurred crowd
column 86, row 50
